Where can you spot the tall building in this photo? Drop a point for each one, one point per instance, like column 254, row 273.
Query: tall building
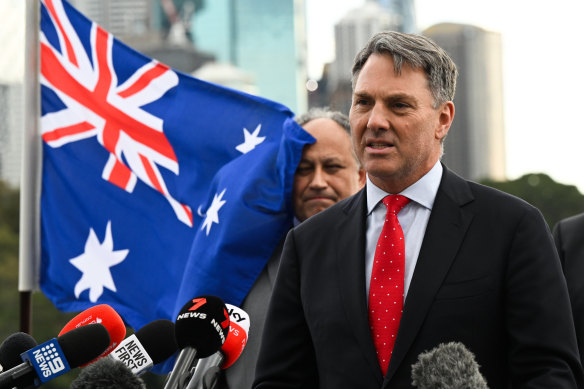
column 156, row 28
column 263, row 37
column 122, row 18
column 11, row 131
column 351, row 33
column 12, row 36
column 405, row 11
column 475, row 145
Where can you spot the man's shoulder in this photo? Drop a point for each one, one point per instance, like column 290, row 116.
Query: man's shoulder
column 479, row 196
column 332, row 214
column 575, row 222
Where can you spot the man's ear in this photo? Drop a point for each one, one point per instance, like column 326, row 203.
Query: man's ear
column 446, row 115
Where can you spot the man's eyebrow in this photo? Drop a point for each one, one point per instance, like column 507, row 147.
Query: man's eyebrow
column 361, row 94
column 392, row 97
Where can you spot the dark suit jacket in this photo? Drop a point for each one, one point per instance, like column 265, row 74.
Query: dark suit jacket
column 487, row 275
column 569, row 238
column 240, row 375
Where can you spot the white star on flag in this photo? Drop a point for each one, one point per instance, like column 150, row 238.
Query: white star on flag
column 95, row 264
column 212, row 215
column 250, row 140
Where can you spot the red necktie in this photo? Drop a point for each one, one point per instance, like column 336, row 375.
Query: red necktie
column 386, row 291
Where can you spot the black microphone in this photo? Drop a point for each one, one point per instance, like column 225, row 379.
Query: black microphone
column 200, row 329
column 208, row 370
column 152, row 344
column 447, row 366
column 107, row 373
column 12, row 347
column 57, row 356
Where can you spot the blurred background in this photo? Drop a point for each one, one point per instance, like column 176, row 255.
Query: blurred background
column 518, row 123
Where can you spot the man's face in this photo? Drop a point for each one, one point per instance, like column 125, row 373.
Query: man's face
column 327, row 172
column 396, row 132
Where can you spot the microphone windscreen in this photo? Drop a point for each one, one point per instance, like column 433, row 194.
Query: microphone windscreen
column 105, row 315
column 447, row 366
column 237, row 336
column 83, row 344
column 107, row 373
column 203, row 323
column 158, row 339
column 12, row 347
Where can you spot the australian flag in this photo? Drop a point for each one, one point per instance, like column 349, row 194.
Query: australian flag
column 156, row 187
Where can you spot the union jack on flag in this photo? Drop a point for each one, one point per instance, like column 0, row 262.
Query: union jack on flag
column 130, row 148
column 97, row 106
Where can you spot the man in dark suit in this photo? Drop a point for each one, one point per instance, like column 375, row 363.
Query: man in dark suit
column 480, row 265
column 569, row 238
column 327, row 173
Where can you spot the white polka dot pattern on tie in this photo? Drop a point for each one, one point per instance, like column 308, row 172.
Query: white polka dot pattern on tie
column 387, row 274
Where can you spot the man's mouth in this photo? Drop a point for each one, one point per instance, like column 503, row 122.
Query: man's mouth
column 316, row 198
column 379, row 145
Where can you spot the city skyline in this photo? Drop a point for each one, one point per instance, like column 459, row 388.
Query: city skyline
column 547, row 144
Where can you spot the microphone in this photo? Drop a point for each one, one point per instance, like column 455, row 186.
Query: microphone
column 200, row 329
column 207, row 370
column 447, row 366
column 105, row 315
column 107, row 373
column 153, row 343
column 57, row 356
column 12, row 347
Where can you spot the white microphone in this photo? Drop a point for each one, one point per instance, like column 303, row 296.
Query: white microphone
column 208, row 369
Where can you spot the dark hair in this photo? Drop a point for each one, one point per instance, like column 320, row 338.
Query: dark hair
column 417, row 51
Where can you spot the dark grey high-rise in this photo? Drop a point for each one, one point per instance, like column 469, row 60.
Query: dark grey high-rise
column 475, row 145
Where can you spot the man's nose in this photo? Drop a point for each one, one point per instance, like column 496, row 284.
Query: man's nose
column 378, row 118
column 318, row 180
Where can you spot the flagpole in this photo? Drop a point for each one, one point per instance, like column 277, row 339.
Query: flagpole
column 29, row 246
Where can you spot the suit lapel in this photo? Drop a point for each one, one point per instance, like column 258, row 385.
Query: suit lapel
column 446, row 228
column 350, row 270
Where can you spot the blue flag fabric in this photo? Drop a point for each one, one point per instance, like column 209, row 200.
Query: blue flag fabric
column 156, row 187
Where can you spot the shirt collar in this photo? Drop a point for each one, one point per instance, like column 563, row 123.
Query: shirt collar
column 422, row 191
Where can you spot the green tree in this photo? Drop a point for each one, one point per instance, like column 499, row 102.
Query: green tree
column 555, row 201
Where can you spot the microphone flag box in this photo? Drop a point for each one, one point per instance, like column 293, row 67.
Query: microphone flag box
column 132, row 354
column 48, row 360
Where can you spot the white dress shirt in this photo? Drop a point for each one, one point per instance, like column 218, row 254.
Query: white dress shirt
column 413, row 219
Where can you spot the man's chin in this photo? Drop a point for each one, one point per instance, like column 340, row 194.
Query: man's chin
column 318, row 208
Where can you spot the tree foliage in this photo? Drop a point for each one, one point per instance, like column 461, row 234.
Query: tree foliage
column 556, row 201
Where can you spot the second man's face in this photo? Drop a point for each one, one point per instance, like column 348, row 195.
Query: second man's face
column 327, row 172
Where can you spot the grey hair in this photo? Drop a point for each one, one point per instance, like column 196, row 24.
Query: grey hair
column 326, row 113
column 417, row 51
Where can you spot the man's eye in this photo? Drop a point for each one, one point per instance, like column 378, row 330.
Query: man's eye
column 333, row 168
column 303, row 170
column 361, row 102
column 401, row 105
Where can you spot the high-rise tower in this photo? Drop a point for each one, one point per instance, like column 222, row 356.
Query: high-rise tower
column 263, row 37
column 475, row 145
